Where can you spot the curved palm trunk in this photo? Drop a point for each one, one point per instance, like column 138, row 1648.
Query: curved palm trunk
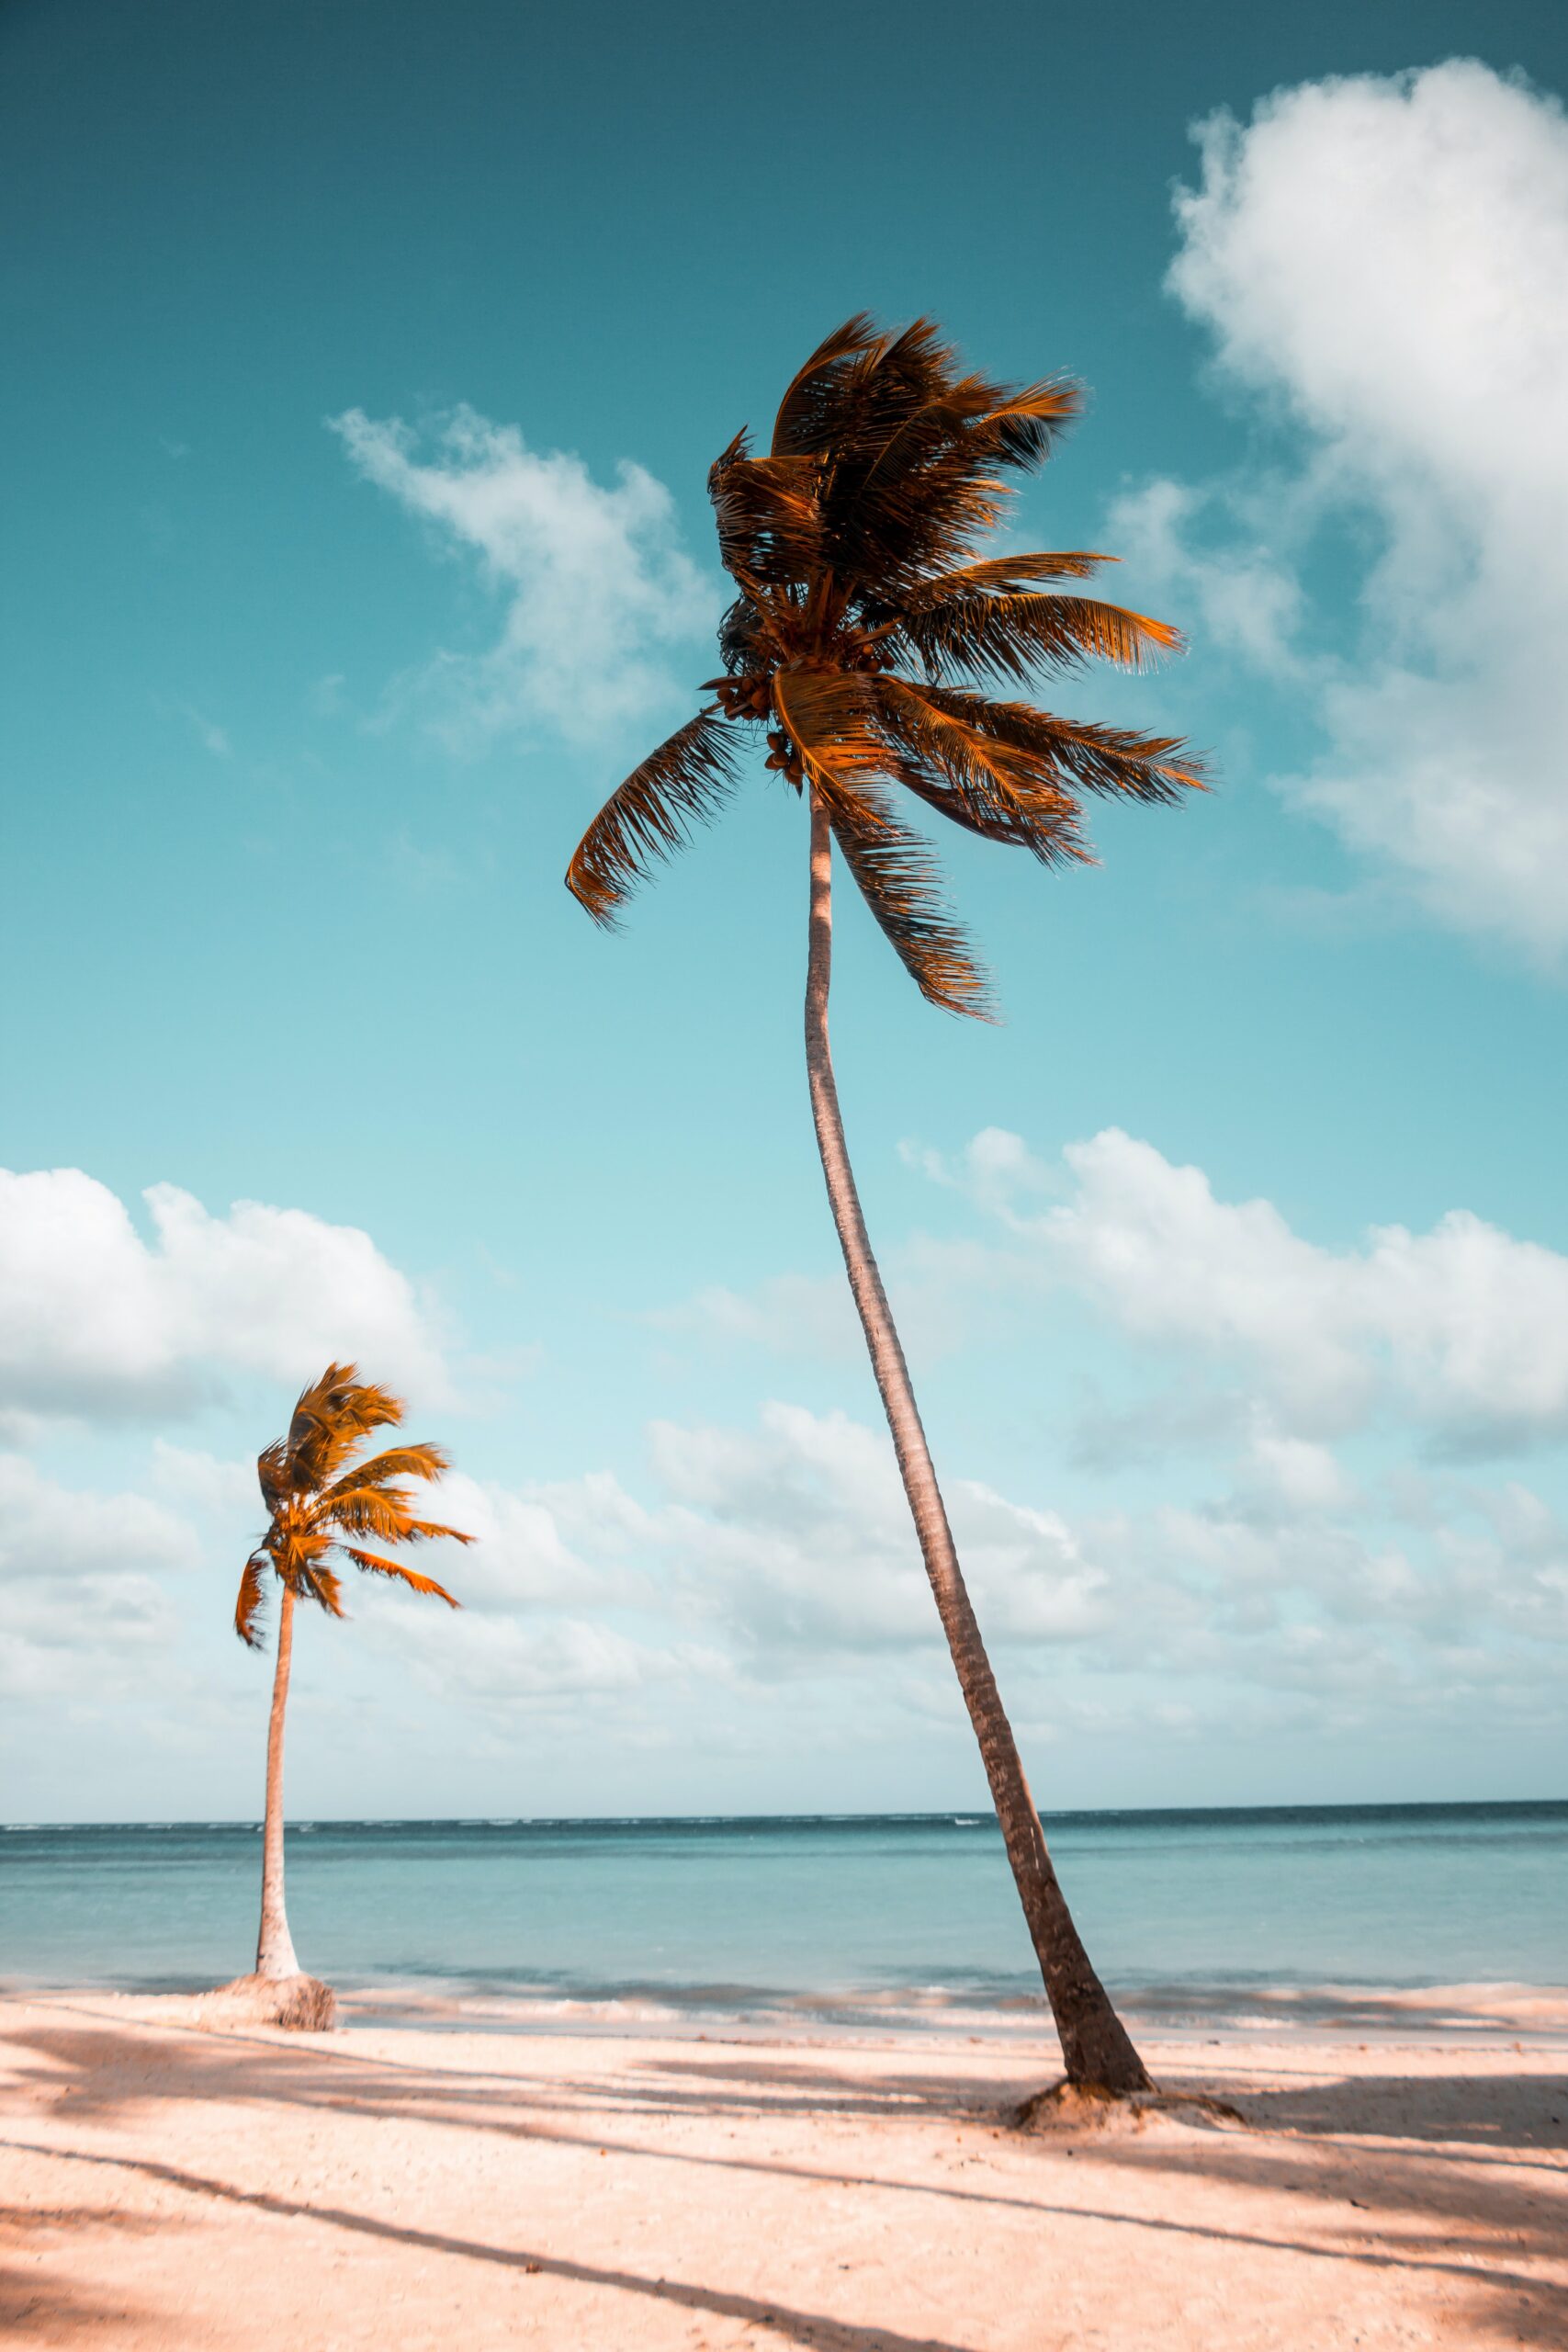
column 275, row 1947
column 1095, row 2044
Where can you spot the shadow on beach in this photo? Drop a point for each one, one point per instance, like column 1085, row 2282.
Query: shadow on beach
column 1367, row 2162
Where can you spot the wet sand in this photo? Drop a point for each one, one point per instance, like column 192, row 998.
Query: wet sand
column 165, row 2185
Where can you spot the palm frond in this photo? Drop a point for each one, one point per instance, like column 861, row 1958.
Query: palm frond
column 377, row 1510
column 831, row 717
column 1024, row 426
column 374, row 1563
column 416, row 1460
column 247, row 1608
column 896, row 876
column 1013, row 572
column 1001, row 791
column 318, row 1583
column 333, row 1414
column 770, row 525
column 1012, row 636
column 916, row 506
column 1119, row 760
column 364, row 1510
column 809, row 400
column 271, row 1472
column 741, row 636
column 652, row 814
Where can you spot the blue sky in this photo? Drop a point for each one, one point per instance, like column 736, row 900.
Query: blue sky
column 374, row 359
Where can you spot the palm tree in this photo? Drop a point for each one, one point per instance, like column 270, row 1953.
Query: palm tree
column 319, row 1498
column 864, row 629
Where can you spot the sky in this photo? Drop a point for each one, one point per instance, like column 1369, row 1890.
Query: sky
column 366, row 365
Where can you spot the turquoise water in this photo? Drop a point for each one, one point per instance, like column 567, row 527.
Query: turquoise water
column 1203, row 1906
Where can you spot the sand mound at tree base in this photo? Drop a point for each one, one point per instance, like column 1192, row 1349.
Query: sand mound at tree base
column 1073, row 2107
column 303, row 2004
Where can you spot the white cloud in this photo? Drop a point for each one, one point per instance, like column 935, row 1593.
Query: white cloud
column 218, row 1490
column 1300, row 1475
column 1463, row 1329
column 1466, row 1327
column 1247, row 597
column 598, row 589
column 81, row 1599
column 507, row 1661
column 1383, row 260
column 95, row 1321
column 546, row 1546
column 798, row 1536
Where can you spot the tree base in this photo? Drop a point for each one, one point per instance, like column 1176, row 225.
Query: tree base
column 301, row 2004
column 1089, row 2107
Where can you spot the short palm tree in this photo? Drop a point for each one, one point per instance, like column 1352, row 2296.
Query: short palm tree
column 320, row 1501
column 865, row 629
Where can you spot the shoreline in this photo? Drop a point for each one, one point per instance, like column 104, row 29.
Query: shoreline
column 164, row 2185
column 1500, row 2013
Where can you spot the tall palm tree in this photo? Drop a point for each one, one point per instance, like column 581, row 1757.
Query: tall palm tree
column 864, row 630
column 318, row 1498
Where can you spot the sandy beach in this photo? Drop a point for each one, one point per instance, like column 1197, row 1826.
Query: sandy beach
column 166, row 2184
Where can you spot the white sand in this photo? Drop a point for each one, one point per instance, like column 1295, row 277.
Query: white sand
column 167, row 2186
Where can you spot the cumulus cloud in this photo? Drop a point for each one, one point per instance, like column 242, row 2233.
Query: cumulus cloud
column 1462, row 1330
column 565, row 1545
column 597, row 589
column 1381, row 261
column 96, row 1321
column 1466, row 1325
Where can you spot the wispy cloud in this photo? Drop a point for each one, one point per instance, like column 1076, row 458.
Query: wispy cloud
column 598, row 595
column 209, row 734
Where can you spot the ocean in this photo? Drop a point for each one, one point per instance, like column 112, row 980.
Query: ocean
column 1334, row 1911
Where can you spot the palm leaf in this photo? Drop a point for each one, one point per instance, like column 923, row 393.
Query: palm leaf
column 741, row 636
column 364, row 1510
column 377, row 1566
column 807, row 401
column 831, row 717
column 1012, row 635
column 421, row 1461
column 318, row 1583
column 373, row 1510
column 1013, row 572
column 770, row 525
column 273, row 1473
column 683, row 782
column 896, row 876
column 247, row 1608
column 918, row 508
column 997, row 790
column 1119, row 760
column 333, row 1414
column 1024, row 426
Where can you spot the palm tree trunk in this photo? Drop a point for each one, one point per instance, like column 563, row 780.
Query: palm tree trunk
column 275, row 1947
column 1095, row 2044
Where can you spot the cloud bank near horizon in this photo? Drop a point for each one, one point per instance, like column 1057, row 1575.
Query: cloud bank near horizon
column 1323, row 1548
